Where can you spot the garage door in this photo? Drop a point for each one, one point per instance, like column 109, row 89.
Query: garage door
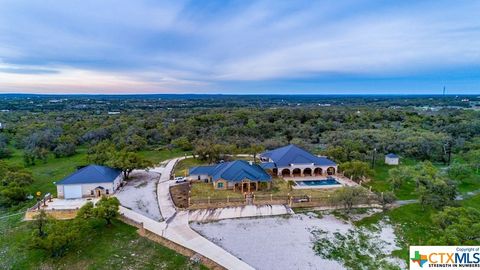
column 72, row 191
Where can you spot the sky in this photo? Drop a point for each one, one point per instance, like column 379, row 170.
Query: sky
column 239, row 47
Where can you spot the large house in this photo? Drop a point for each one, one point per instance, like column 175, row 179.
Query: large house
column 90, row 181
column 237, row 175
column 293, row 161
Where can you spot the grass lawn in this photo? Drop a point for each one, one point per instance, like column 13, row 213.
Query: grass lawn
column 407, row 191
column 55, row 169
column 379, row 180
column 159, row 156
column 472, row 182
column 116, row 247
column 184, row 165
column 279, row 188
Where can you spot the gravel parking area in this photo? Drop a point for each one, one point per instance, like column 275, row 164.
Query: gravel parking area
column 140, row 194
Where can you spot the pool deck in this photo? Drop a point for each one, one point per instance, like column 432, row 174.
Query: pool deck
column 344, row 181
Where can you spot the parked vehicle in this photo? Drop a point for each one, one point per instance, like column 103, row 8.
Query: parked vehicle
column 180, row 179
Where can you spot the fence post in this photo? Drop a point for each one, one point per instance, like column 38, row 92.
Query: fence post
column 142, row 229
column 208, row 199
column 188, row 202
column 271, row 197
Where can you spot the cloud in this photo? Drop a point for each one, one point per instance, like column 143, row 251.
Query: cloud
column 207, row 46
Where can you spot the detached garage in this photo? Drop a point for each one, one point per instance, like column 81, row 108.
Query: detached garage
column 90, row 181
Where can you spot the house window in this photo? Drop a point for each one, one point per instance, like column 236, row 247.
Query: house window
column 91, row 192
column 108, row 192
column 220, row 185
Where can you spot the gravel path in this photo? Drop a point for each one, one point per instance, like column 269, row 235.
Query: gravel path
column 140, row 194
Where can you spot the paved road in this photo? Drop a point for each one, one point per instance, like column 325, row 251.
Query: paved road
column 165, row 202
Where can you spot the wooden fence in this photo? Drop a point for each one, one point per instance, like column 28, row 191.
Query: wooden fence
column 271, row 199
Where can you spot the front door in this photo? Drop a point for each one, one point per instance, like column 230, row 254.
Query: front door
column 99, row 193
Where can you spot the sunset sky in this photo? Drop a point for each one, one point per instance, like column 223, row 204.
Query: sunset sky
column 240, row 47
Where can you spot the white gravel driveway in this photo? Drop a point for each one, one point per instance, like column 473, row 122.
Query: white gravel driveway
column 140, row 194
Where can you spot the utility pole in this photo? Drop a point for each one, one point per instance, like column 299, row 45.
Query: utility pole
column 374, row 153
column 447, row 149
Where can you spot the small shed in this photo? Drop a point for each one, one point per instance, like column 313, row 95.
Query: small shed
column 392, row 159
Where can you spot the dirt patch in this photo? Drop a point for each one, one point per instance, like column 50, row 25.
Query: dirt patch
column 179, row 195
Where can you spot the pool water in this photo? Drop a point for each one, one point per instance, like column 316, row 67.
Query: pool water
column 326, row 182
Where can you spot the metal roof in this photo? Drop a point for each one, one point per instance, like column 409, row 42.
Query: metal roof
column 391, row 155
column 292, row 154
column 234, row 171
column 267, row 165
column 91, row 174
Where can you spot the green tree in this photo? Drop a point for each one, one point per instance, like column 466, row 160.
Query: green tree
column 437, row 192
column 183, row 143
column 356, row 169
column 399, row 176
column 57, row 236
column 101, row 153
column 385, row 199
column 458, row 226
column 432, row 186
column 473, row 159
column 349, row 196
column 256, row 149
column 107, row 208
column 39, row 222
column 459, row 171
column 86, row 211
column 127, row 162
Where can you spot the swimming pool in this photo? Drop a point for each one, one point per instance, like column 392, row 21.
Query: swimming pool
column 326, row 182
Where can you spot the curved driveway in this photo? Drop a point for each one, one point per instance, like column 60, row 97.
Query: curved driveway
column 178, row 230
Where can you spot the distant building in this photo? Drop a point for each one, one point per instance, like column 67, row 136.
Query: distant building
column 392, row 159
column 113, row 113
column 238, row 175
column 90, row 181
column 293, row 161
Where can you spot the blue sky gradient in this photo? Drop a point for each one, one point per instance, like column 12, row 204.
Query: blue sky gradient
column 240, row 47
